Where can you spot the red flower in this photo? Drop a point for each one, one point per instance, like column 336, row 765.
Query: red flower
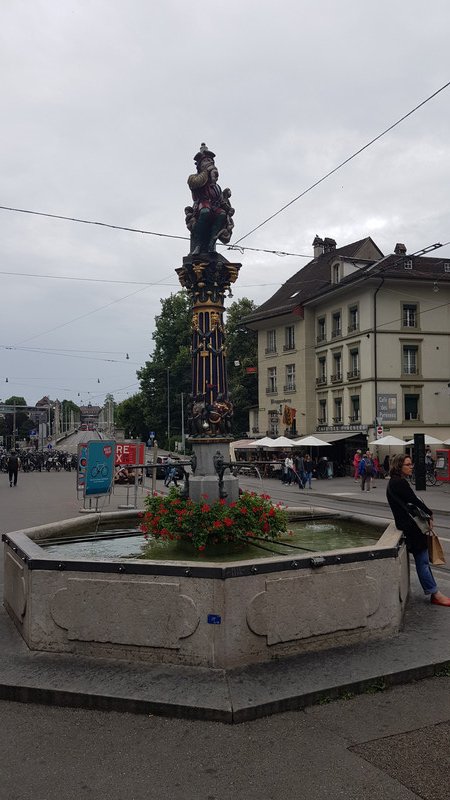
column 217, row 523
column 228, row 522
column 205, row 508
column 243, row 510
column 201, row 547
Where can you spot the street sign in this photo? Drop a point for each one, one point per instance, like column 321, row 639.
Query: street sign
column 379, row 431
column 49, row 446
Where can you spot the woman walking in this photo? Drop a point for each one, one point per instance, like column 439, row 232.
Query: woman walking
column 401, row 497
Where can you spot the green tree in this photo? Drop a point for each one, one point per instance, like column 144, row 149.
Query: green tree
column 21, row 419
column 167, row 374
column 129, row 415
column 242, row 353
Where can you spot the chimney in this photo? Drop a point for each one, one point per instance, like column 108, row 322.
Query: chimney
column 329, row 245
column 318, row 246
column 400, row 249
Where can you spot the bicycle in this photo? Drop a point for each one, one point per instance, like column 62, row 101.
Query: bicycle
column 99, row 469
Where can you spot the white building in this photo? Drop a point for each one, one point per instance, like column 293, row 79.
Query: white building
column 353, row 338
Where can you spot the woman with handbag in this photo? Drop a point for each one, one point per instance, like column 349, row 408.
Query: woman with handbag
column 405, row 505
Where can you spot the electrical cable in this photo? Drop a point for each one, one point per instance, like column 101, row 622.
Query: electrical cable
column 343, row 163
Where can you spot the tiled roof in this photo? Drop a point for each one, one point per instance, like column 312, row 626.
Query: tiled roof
column 309, row 281
column 314, row 278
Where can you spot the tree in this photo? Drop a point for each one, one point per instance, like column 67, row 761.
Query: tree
column 167, row 374
column 129, row 415
column 242, row 353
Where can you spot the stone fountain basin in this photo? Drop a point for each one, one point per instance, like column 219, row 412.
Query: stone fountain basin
column 204, row 614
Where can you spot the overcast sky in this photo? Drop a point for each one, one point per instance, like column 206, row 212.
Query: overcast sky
column 104, row 104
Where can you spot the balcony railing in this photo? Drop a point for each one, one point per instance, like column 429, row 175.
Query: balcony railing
column 353, row 326
column 410, row 415
column 271, row 390
column 355, row 418
column 321, row 337
column 270, row 350
column 289, row 387
column 336, row 332
column 352, row 374
column 337, row 378
column 289, row 346
column 321, row 380
column 337, row 420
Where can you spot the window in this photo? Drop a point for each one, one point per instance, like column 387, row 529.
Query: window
column 271, row 380
column 446, row 266
column 354, row 364
column 289, row 338
column 337, row 410
column 409, row 316
column 336, row 324
column 355, row 408
column 353, row 319
column 290, row 378
column 271, row 342
column 337, row 368
column 411, row 402
column 322, row 370
column 273, row 422
column 335, row 273
column 410, row 360
column 322, row 412
column 321, row 330
column 408, row 264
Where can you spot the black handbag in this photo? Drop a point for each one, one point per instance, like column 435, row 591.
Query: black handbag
column 419, row 517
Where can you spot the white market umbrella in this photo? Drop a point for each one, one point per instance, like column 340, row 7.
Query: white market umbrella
column 243, row 444
column 311, row 441
column 389, row 441
column 282, row 441
column 428, row 440
column 447, row 442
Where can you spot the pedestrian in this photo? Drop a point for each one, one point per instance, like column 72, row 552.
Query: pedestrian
column 356, row 460
column 300, row 470
column 386, row 465
column 308, row 470
column 401, row 496
column 289, row 470
column 365, row 471
column 13, row 467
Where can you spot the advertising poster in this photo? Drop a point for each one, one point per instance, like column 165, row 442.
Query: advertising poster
column 99, row 468
column 82, row 463
column 129, row 453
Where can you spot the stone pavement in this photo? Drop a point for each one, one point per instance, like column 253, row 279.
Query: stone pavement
column 381, row 741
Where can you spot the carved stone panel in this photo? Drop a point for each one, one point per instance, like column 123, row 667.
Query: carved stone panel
column 312, row 604
column 141, row 613
column 14, row 585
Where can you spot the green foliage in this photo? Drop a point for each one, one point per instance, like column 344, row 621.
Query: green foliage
column 168, row 372
column 129, row 414
column 242, row 347
column 203, row 524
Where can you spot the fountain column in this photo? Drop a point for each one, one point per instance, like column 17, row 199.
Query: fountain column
column 207, row 276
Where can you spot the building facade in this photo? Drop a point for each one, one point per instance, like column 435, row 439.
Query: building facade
column 353, row 342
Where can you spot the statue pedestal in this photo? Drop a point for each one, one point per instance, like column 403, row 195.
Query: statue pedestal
column 205, row 481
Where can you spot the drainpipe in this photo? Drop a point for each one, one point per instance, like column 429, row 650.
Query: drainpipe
column 375, row 348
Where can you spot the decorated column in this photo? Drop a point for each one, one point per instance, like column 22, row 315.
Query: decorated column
column 207, row 276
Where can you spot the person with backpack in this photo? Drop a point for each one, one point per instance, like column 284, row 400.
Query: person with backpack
column 13, row 467
column 366, row 470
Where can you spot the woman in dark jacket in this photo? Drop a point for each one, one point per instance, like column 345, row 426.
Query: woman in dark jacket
column 399, row 493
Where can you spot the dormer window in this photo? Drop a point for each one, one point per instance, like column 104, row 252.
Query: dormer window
column 446, row 266
column 408, row 264
column 336, row 273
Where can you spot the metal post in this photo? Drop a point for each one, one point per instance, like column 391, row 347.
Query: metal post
column 168, row 406
column 182, row 423
column 14, row 427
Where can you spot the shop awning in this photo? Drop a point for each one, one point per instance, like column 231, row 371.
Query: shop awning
column 336, row 436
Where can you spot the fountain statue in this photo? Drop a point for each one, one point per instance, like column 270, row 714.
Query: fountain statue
column 207, row 276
